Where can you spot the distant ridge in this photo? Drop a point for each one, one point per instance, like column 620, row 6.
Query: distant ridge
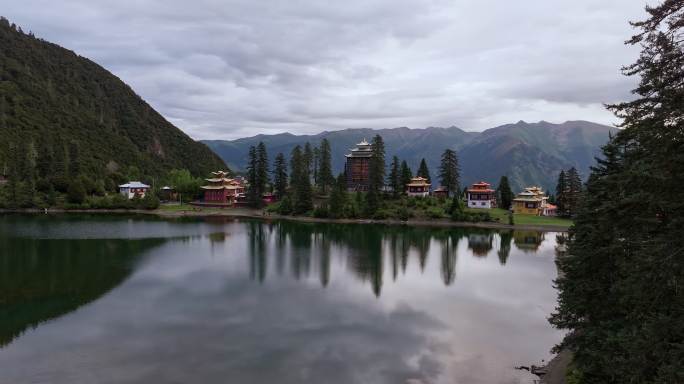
column 529, row 153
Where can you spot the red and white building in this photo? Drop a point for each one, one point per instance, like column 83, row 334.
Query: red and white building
column 223, row 190
column 481, row 195
column 134, row 189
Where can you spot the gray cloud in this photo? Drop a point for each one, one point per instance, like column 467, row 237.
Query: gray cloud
column 225, row 69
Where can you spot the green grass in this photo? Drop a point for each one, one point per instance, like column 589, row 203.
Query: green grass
column 502, row 216
column 186, row 207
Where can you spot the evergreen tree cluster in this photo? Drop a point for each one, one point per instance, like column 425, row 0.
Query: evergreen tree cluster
column 620, row 282
column 568, row 193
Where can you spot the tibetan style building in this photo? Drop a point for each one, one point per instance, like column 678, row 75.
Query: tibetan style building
column 419, row 186
column 533, row 201
column 481, row 195
column 134, row 189
column 222, row 190
column 357, row 166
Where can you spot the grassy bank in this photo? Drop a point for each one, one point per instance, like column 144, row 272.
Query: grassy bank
column 501, row 216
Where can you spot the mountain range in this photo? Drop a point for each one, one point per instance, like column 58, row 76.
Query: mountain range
column 51, row 98
column 528, row 153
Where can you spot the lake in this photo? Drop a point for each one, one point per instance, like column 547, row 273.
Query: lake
column 138, row 299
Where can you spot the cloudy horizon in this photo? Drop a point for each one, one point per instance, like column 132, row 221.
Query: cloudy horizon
column 224, row 70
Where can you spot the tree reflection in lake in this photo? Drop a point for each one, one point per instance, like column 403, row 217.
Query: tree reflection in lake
column 369, row 249
column 264, row 302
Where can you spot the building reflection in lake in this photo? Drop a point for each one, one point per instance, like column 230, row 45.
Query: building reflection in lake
column 368, row 251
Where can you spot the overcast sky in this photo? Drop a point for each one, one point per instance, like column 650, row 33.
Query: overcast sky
column 228, row 69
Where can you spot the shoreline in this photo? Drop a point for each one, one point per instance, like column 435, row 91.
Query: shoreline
column 259, row 214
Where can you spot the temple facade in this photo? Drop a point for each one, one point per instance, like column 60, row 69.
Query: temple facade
column 357, row 166
column 222, row 190
column 533, row 201
column 134, row 189
column 481, row 195
column 419, row 186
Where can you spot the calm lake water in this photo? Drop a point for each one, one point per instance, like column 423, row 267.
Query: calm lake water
column 127, row 299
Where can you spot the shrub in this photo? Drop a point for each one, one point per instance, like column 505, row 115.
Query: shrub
column 285, row 207
column 435, row 213
column 119, row 201
column 150, row 201
column 76, row 193
column 403, row 213
column 321, row 212
column 380, row 214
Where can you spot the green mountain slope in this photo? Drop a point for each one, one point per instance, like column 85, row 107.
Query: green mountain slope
column 529, row 153
column 50, row 94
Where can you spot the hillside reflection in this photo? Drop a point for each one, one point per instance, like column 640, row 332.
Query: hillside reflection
column 371, row 250
column 43, row 279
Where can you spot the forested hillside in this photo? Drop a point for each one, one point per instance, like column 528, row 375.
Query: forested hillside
column 59, row 109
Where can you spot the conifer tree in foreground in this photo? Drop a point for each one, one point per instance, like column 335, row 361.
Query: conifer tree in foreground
column 561, row 191
column 394, row 177
column 376, row 175
column 449, row 172
column 620, row 284
column 406, row 175
column 338, row 197
column 262, row 169
column 300, row 179
column 324, row 178
column 504, row 193
column 253, row 197
column 280, row 176
column 423, row 170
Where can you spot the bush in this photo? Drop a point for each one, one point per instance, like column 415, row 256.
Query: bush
column 381, row 214
column 119, row 201
column 403, row 213
column 321, row 212
column 285, row 207
column 150, row 201
column 435, row 213
column 76, row 193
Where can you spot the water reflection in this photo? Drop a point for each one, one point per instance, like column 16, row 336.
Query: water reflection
column 265, row 302
column 371, row 249
column 44, row 279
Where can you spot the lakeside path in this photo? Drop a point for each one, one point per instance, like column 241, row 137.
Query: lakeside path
column 260, row 214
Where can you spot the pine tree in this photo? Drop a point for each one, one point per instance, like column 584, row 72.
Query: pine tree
column 338, row 198
column 406, row 175
column 300, row 180
column 324, row 178
column 449, row 172
column 376, row 175
column 504, row 193
column 262, row 169
column 253, row 197
column 423, row 171
column 561, row 194
column 620, row 289
column 394, row 177
column 280, row 176
column 308, row 159
column 574, row 191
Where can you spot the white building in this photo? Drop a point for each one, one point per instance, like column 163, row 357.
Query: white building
column 480, row 195
column 133, row 189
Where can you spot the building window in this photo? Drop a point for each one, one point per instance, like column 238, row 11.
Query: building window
column 483, row 203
